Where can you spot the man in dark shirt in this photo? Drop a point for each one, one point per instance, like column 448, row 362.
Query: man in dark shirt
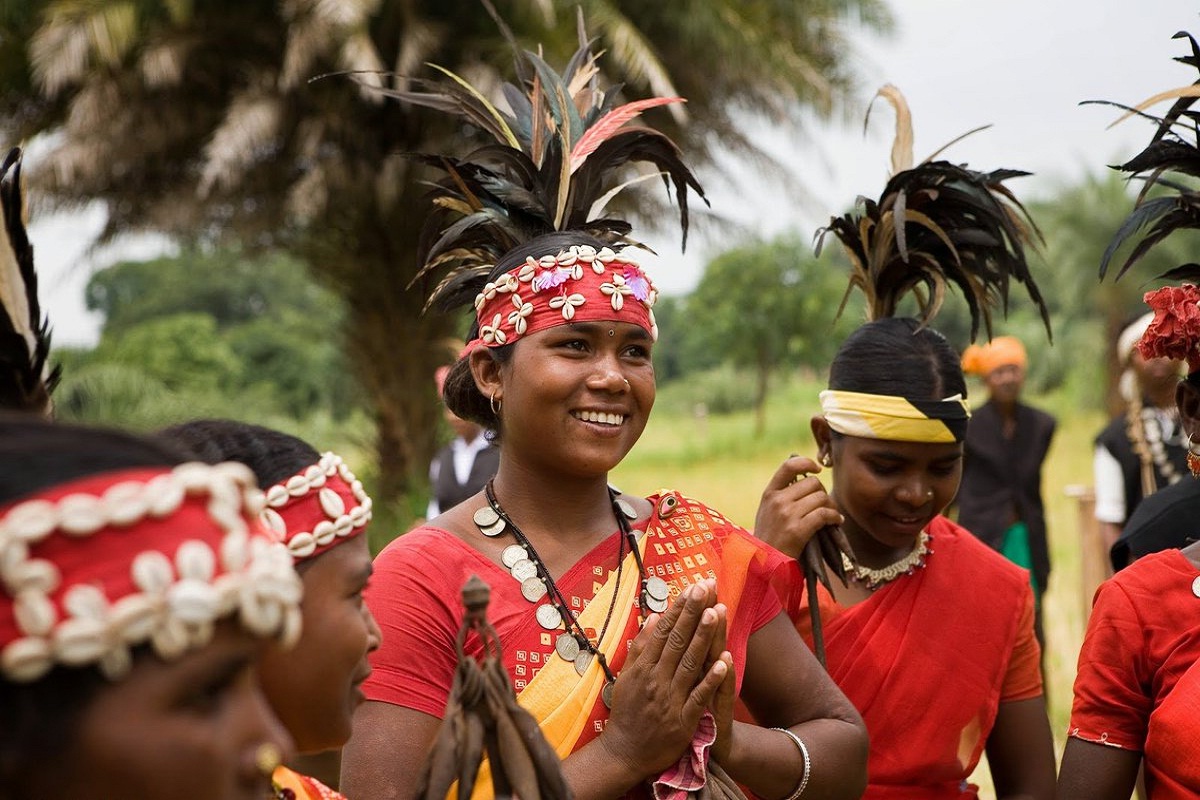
column 1000, row 500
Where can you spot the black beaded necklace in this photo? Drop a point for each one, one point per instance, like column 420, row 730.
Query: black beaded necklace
column 572, row 644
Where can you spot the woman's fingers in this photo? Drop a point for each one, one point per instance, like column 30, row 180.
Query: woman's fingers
column 789, row 470
column 696, row 600
column 664, row 627
column 695, row 657
column 703, row 696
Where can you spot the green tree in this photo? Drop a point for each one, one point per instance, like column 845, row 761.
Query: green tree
column 770, row 303
column 197, row 119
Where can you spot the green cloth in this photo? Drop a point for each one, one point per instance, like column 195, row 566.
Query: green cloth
column 1015, row 548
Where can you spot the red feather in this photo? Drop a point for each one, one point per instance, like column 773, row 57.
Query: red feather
column 609, row 124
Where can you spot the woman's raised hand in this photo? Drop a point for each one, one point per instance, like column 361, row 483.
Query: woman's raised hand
column 794, row 507
column 669, row 680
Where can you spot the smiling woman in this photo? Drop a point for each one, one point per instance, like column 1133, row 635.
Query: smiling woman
column 630, row 624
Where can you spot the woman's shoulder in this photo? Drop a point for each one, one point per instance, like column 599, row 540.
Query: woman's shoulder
column 1154, row 574
column 968, row 553
column 684, row 512
column 424, row 544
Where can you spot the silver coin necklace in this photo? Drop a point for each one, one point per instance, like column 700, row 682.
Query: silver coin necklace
column 528, row 569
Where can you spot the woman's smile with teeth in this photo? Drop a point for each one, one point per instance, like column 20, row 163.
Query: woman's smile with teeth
column 599, row 416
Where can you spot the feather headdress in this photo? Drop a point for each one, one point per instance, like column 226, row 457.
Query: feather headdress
column 937, row 224
column 551, row 168
column 25, row 377
column 1174, row 149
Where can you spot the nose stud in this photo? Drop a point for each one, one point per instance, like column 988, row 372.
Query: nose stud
column 267, row 758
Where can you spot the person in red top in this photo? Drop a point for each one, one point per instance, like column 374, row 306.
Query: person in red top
column 1137, row 687
column 628, row 624
column 931, row 636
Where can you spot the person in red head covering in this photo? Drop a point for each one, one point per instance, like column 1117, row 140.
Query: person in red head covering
column 136, row 595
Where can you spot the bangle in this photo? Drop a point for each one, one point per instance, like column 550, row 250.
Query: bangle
column 807, row 763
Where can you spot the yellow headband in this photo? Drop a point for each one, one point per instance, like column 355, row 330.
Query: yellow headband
column 881, row 416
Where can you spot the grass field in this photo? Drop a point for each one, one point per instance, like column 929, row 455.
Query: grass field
column 719, row 460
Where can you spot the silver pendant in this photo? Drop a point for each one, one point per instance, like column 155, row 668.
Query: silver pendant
column 524, row 569
column 606, row 694
column 657, row 588
column 486, row 517
column 532, row 589
column 582, row 662
column 567, row 646
column 628, row 510
column 512, row 554
column 1196, row 587
column 656, row 605
column 548, row 617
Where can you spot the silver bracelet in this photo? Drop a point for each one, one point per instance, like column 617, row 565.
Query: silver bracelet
column 807, row 763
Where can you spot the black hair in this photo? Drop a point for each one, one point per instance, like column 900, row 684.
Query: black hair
column 459, row 392
column 896, row 356
column 273, row 456
column 39, row 719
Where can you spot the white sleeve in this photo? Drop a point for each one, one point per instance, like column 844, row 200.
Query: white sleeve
column 1110, row 487
column 432, row 509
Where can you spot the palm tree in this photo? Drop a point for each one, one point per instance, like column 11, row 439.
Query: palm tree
column 198, row 119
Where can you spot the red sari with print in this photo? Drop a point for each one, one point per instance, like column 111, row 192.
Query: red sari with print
column 414, row 595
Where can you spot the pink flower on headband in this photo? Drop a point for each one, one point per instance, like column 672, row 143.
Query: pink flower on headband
column 637, row 282
column 1175, row 330
column 550, row 278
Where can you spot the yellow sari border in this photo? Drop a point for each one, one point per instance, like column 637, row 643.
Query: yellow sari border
column 879, row 416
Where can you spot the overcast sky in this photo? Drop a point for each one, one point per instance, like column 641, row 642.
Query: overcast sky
column 1021, row 65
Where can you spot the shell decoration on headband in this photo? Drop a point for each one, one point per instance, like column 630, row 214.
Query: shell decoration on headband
column 317, row 508
column 179, row 551
column 937, row 224
column 1174, row 150
column 559, row 146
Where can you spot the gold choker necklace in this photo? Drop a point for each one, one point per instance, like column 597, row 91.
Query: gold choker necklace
column 874, row 578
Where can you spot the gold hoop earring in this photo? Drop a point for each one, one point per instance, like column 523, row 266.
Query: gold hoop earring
column 496, row 405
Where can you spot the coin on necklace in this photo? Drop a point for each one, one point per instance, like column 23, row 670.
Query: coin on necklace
column 567, row 646
column 493, row 530
column 656, row 605
column 512, row 554
column 548, row 616
column 532, row 589
column 657, row 588
column 582, row 662
column 524, row 569
column 486, row 517
column 606, row 694
column 627, row 509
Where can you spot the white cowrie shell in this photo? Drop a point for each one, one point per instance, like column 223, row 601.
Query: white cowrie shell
column 237, row 472
column 315, row 476
column 342, row 526
column 164, row 494
column 152, row 571
column 80, row 640
column 192, row 601
column 296, row 486
column 302, row 545
column 193, row 477
column 134, row 617
column 195, row 560
column 35, row 574
column 25, row 660
column 34, row 613
column 323, row 532
column 275, row 522
column 124, row 503
column 332, row 503
column 80, row 514
column 32, row 520
column 85, row 600
column 277, row 495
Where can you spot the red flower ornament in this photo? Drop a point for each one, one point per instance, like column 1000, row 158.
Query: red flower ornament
column 1175, row 330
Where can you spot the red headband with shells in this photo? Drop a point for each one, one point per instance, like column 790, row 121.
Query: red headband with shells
column 95, row 567
column 317, row 508
column 580, row 284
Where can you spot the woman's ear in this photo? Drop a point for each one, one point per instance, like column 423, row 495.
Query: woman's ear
column 486, row 371
column 1187, row 399
column 823, row 436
